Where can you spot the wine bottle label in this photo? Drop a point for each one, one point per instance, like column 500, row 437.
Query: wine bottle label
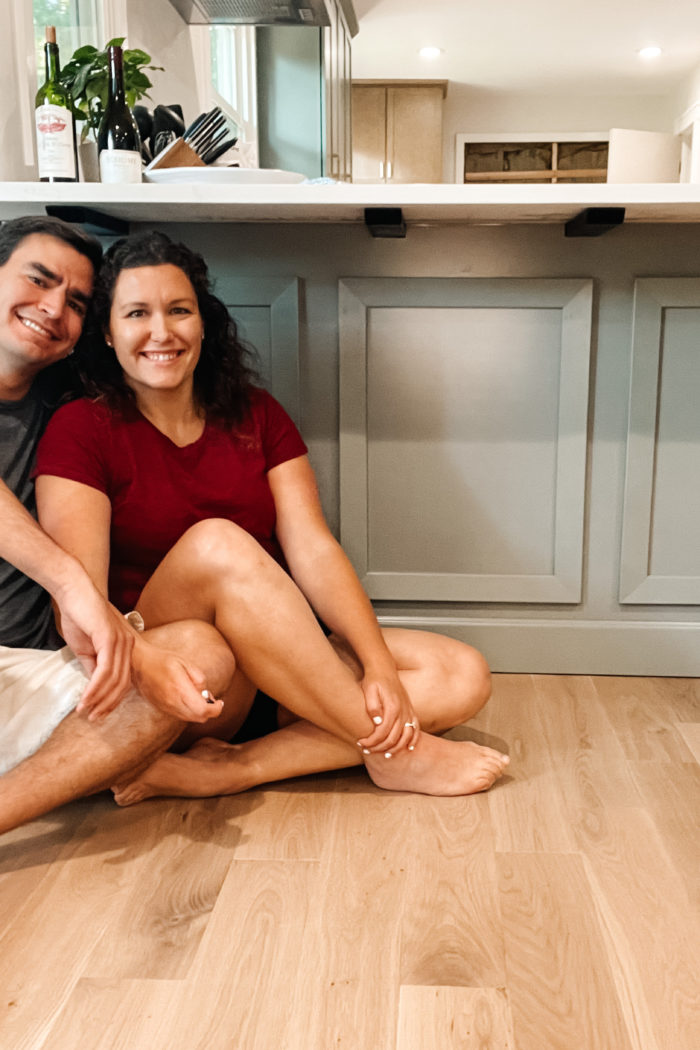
column 120, row 165
column 54, row 138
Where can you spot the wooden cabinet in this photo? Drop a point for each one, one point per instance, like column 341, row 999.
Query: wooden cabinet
column 397, row 130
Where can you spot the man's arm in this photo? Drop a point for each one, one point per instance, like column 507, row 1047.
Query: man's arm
column 95, row 632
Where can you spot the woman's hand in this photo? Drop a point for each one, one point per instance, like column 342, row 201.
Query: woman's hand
column 390, row 709
column 171, row 685
column 166, row 681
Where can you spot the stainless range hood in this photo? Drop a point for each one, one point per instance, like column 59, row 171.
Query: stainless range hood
column 253, row 12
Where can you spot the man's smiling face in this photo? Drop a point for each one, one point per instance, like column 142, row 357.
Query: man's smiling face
column 45, row 287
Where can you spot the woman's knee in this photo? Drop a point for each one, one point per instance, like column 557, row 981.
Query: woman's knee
column 463, row 682
column 221, row 546
column 199, row 643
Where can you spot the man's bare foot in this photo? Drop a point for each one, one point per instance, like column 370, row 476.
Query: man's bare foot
column 206, row 769
column 438, row 767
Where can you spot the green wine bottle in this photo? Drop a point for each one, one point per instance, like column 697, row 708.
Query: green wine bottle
column 118, row 139
column 55, row 127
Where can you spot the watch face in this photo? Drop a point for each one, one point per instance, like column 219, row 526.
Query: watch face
column 136, row 620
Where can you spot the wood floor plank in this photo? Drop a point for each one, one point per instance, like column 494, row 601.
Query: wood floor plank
column 27, row 854
column 55, row 932
column 559, row 982
column 644, row 714
column 672, row 795
column 652, row 935
column 353, row 971
column 178, row 853
column 526, row 805
column 451, row 932
column 447, row 1018
column 690, row 731
column 291, row 822
column 247, row 974
column 103, row 1014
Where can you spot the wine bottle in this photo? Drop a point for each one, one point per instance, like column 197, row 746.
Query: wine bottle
column 118, row 139
column 55, row 127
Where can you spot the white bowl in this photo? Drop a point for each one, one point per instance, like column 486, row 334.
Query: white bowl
column 214, row 175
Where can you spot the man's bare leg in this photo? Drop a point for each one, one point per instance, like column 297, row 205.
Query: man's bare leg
column 83, row 757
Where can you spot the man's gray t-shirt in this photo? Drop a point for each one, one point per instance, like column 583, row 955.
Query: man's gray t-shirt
column 26, row 619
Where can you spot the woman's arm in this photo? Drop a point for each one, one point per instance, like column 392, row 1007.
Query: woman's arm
column 78, row 518
column 323, row 572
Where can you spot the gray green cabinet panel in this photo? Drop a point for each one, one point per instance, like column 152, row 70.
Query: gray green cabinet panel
column 463, row 431
column 660, row 555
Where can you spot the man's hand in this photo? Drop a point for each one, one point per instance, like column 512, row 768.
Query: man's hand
column 102, row 641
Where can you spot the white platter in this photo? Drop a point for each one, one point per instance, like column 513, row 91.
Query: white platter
column 217, row 176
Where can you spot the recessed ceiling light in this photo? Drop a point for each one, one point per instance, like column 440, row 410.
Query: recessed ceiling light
column 430, row 52
column 649, row 52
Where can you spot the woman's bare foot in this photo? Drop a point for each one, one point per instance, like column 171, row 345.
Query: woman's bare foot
column 206, row 769
column 438, row 767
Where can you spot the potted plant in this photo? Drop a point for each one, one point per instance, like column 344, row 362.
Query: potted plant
column 86, row 76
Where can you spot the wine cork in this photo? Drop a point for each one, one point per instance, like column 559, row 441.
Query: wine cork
column 51, row 34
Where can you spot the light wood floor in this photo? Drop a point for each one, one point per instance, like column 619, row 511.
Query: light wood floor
column 557, row 912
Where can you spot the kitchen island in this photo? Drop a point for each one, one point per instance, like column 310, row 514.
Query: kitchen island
column 503, row 419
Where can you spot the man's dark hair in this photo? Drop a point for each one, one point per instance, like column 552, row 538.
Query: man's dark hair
column 14, row 231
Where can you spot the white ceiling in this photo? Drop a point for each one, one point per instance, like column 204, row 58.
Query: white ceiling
column 532, row 45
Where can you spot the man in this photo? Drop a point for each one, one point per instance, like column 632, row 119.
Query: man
column 46, row 276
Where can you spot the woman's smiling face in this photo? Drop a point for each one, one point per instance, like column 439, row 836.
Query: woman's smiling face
column 155, row 328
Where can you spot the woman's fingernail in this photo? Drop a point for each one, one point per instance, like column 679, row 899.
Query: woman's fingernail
column 377, row 720
column 411, row 747
column 387, row 754
column 366, row 751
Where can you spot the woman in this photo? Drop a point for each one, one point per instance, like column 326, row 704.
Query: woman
column 186, row 492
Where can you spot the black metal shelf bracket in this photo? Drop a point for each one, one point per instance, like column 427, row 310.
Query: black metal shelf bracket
column 97, row 222
column 593, row 222
column 385, row 222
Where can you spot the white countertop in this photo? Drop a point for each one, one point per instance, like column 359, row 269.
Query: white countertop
column 344, row 202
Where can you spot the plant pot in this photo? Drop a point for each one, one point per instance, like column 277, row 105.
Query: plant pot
column 88, row 163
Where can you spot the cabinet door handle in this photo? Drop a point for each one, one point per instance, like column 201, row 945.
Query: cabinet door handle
column 388, row 169
column 381, row 169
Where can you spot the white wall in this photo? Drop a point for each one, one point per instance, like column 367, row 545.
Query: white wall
column 158, row 29
column 468, row 109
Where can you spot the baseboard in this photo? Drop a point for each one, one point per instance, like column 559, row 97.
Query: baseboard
column 572, row 646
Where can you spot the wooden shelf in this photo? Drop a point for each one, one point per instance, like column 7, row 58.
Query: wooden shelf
column 345, row 203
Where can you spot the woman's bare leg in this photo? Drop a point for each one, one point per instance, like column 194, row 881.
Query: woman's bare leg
column 448, row 683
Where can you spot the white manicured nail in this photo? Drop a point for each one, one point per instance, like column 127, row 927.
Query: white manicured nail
column 366, row 751
column 387, row 754
column 377, row 720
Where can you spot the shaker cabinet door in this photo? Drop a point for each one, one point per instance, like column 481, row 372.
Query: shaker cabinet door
column 368, row 134
column 414, row 134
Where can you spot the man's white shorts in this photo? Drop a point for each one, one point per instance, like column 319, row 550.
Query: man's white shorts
column 37, row 690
